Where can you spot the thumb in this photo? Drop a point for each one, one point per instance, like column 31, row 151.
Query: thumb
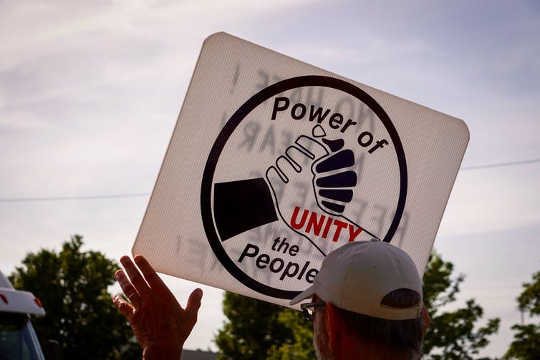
column 194, row 302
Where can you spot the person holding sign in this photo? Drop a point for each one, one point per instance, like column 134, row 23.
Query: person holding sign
column 366, row 303
column 159, row 323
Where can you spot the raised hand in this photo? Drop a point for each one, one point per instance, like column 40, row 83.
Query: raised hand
column 159, row 323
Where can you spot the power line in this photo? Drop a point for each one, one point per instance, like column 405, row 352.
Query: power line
column 133, row 195
column 511, row 163
column 63, row 198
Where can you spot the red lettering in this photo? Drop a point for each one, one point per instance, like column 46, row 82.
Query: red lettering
column 315, row 222
column 300, row 225
column 327, row 227
column 339, row 225
column 353, row 234
column 312, row 223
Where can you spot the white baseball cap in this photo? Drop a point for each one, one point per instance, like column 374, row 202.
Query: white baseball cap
column 357, row 276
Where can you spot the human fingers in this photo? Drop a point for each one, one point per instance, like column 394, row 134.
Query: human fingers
column 150, row 274
column 134, row 275
column 194, row 303
column 298, row 157
column 275, row 178
column 129, row 290
column 287, row 167
column 124, row 308
column 314, row 149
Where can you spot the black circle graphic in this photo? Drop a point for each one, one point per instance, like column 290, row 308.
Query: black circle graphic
column 230, row 127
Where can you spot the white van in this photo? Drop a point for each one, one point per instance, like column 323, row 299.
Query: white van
column 18, row 340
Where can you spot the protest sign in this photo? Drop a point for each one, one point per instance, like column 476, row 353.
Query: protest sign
column 274, row 163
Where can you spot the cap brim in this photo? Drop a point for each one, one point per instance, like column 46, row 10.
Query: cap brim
column 303, row 295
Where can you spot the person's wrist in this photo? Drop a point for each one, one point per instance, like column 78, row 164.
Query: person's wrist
column 162, row 351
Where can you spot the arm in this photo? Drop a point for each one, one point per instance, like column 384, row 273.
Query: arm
column 159, row 323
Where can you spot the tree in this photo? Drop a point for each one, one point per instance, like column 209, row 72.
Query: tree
column 452, row 334
column 72, row 285
column 301, row 347
column 253, row 327
column 526, row 344
column 287, row 335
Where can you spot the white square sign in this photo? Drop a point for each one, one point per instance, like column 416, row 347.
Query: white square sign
column 274, row 163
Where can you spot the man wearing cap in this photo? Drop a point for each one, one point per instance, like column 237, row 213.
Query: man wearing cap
column 366, row 303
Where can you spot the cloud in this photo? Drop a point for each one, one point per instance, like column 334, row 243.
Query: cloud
column 492, row 200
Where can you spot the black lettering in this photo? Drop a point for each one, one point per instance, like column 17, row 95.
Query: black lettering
column 303, row 270
column 276, row 241
column 347, row 124
column 286, row 272
column 279, row 108
column 317, row 114
column 262, row 261
column 295, row 114
column 294, row 250
column 247, row 253
column 283, row 244
column 311, row 274
column 336, row 120
column 281, row 264
column 362, row 141
column 379, row 144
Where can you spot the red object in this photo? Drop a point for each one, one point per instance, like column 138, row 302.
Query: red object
column 4, row 298
column 38, row 302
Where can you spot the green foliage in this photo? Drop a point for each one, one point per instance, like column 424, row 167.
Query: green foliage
column 72, row 285
column 529, row 300
column 258, row 330
column 253, row 327
column 301, row 347
column 452, row 334
column 526, row 344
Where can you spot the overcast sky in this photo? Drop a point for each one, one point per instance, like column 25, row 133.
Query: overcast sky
column 90, row 92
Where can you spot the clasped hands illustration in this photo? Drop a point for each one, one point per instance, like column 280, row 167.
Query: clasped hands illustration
column 329, row 167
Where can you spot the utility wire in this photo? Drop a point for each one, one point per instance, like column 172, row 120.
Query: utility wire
column 62, row 198
column 133, row 195
column 511, row 163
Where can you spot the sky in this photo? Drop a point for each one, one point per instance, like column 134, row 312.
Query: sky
column 90, row 93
